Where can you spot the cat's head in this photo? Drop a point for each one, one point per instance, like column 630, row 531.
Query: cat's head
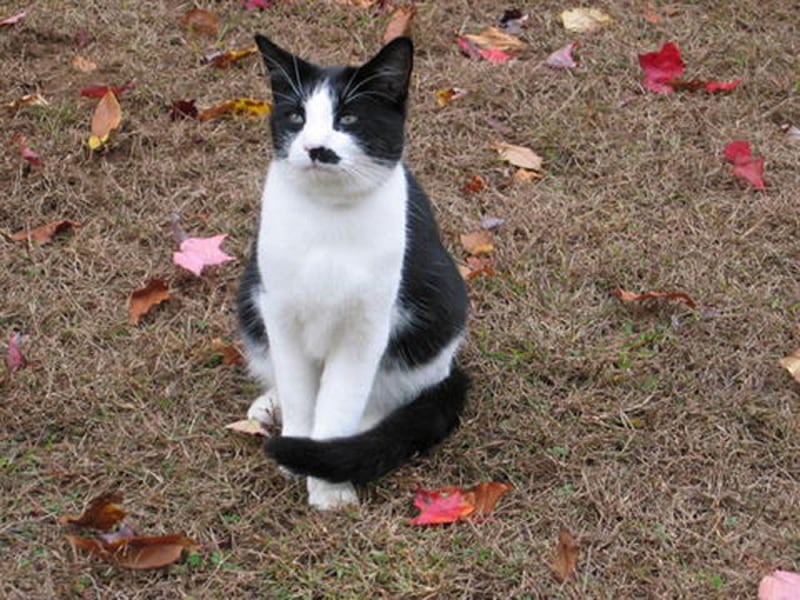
column 339, row 126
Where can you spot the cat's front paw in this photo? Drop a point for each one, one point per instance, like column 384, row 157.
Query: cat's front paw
column 324, row 495
column 265, row 409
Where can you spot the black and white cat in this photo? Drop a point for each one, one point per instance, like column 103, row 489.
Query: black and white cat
column 350, row 307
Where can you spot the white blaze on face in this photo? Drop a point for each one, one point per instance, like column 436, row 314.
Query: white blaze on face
column 318, row 131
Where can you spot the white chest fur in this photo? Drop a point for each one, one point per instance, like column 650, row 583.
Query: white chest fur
column 327, row 266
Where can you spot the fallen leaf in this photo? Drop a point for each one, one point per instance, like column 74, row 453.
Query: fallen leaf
column 468, row 48
column 399, row 23
column 562, row 58
column 44, row 234
column 183, row 109
column 98, row 91
column 107, row 117
column 440, row 506
column 652, row 17
column 230, row 353
column 478, row 242
column 197, row 253
column 248, row 427
column 82, row 39
column 512, row 21
column 263, row 4
column 627, row 296
column 15, row 359
column 239, row 106
column 721, row 86
column 137, row 552
column 14, row 19
column 780, row 585
column 491, row 38
column 519, row 156
column 484, row 496
column 792, row 133
column 27, row 100
column 471, row 50
column 583, row 20
column 201, row 21
column 223, row 60
column 475, row 184
column 103, row 512
column 123, row 532
column 524, row 175
column 660, row 67
column 745, row 165
column 792, row 364
column 566, row 559
column 447, row 95
column 492, row 222
column 83, row 64
column 29, row 155
column 142, row 300
column 476, row 266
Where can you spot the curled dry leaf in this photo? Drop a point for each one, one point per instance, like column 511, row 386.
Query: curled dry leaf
column 143, row 552
column 13, row 19
column 476, row 266
column 239, row 106
column 519, row 156
column 627, row 296
column 583, row 20
column 484, row 496
column 103, row 513
column 248, row 427
column 491, row 38
column 478, row 242
column 15, row 359
column 27, row 100
column 230, row 353
column 792, row 364
column 84, row 65
column 142, row 300
column 44, row 234
column 399, row 23
column 566, row 558
column 447, row 95
column 183, row 109
column 107, row 117
column 223, row 60
column 201, row 21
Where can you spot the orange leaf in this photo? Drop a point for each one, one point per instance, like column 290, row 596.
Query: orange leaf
column 201, row 21
column 792, row 364
column 142, row 300
column 477, row 265
column 230, row 353
column 137, row 552
column 566, row 556
column 524, row 175
column 107, row 117
column 102, row 513
column 223, row 60
column 399, row 23
column 239, row 106
column 478, row 242
column 475, row 184
column 627, row 296
column 447, row 95
column 44, row 233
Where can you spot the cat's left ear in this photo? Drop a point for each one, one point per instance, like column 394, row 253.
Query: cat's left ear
column 390, row 69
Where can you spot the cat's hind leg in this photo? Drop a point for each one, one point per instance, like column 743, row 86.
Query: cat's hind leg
column 325, row 495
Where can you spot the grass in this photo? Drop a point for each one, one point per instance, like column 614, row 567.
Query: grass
column 665, row 439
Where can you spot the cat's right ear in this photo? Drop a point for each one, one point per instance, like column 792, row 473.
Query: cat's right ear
column 286, row 71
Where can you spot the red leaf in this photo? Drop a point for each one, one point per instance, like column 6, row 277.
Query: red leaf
column 468, row 48
column 98, row 91
column 440, row 506
column 15, row 360
column 495, row 56
column 659, row 67
column 103, row 512
column 745, row 165
column 721, row 86
column 738, row 152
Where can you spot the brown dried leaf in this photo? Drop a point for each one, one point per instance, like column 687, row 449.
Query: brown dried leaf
column 201, row 21
column 478, row 242
column 103, row 512
column 491, row 38
column 475, row 184
column 792, row 364
column 485, row 495
column 519, row 156
column 230, row 353
column 566, row 556
column 137, row 552
column 142, row 300
column 27, row 100
column 107, row 117
column 44, row 233
column 399, row 23
column 83, row 64
column 477, row 265
column 627, row 296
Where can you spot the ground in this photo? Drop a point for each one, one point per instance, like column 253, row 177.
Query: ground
column 666, row 439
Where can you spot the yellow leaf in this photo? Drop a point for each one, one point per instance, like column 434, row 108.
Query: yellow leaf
column 582, row 20
column 519, row 156
column 239, row 106
column 107, row 117
column 478, row 242
column 446, row 96
column 223, row 60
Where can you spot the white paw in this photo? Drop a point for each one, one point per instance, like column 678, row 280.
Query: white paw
column 265, row 409
column 324, row 495
column 287, row 474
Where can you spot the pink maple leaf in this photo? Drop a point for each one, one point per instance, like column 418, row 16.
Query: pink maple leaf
column 563, row 59
column 745, row 165
column 722, row 86
column 197, row 253
column 15, row 360
column 780, row 585
column 251, row 4
column 659, row 67
column 440, row 506
column 495, row 56
column 13, row 19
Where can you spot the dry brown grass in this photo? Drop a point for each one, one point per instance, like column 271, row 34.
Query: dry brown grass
column 672, row 453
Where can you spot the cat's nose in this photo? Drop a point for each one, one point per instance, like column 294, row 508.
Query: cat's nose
column 323, row 155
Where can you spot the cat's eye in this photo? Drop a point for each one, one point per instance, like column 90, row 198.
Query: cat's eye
column 295, row 118
column 348, row 119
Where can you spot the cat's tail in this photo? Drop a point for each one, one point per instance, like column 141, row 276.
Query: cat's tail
column 410, row 429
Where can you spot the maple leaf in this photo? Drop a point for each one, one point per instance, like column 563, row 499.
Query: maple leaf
column 584, row 20
column 746, row 166
column 562, row 58
column 223, row 60
column 107, row 117
column 238, row 106
column 197, row 253
column 142, row 300
column 440, row 506
column 566, row 559
column 13, row 19
column 201, row 21
column 660, row 67
column 478, row 242
column 98, row 91
column 627, row 296
column 29, row 155
column 780, row 585
column 399, row 23
column 519, row 156
column 103, row 513
column 248, row 427
column 183, row 109
column 44, row 234
column 15, row 359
